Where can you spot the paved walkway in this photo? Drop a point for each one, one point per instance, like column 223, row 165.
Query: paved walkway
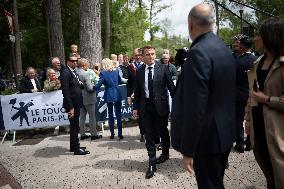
column 111, row 164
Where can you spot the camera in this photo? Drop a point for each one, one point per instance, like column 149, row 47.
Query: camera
column 181, row 56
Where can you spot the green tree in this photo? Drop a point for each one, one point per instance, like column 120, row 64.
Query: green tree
column 156, row 7
column 128, row 26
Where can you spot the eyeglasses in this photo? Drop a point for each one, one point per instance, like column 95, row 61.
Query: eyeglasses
column 74, row 61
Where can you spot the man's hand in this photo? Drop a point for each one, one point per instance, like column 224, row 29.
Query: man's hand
column 135, row 114
column 188, row 164
column 34, row 90
column 71, row 113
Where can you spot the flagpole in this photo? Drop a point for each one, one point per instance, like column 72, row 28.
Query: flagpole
column 16, row 79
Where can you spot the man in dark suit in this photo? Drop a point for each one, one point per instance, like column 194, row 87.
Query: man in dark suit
column 203, row 110
column 72, row 102
column 151, row 99
column 131, row 84
column 244, row 63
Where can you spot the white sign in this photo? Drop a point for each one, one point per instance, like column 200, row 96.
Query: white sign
column 33, row 110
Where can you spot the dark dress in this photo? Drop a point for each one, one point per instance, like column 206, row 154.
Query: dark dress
column 259, row 127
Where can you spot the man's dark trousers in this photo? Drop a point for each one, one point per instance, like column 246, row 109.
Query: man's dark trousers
column 153, row 124
column 240, row 113
column 210, row 169
column 74, row 130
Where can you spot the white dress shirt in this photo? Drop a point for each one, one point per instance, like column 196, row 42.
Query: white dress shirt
column 146, row 78
column 34, row 83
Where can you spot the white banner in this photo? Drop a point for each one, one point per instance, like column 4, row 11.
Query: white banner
column 37, row 110
column 33, row 110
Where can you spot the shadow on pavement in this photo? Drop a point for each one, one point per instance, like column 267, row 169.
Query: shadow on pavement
column 51, row 152
column 170, row 168
column 128, row 143
column 60, row 138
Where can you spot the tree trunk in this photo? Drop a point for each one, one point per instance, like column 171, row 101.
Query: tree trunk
column 107, row 29
column 18, row 56
column 217, row 18
column 54, row 22
column 90, row 31
column 151, row 32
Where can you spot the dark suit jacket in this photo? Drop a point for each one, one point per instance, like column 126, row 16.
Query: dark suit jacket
column 26, row 85
column 203, row 111
column 71, row 90
column 131, row 82
column 162, row 82
column 244, row 63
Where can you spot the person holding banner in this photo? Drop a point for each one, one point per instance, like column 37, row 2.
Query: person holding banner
column 29, row 83
column 72, row 102
column 52, row 83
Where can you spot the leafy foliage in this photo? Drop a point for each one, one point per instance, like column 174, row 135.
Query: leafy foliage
column 128, row 26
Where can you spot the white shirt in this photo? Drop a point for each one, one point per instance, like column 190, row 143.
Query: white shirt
column 34, row 83
column 146, row 78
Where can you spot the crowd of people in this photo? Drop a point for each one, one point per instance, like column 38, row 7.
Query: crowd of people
column 216, row 91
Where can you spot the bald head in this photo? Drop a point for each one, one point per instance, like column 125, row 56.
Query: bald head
column 202, row 15
column 201, row 19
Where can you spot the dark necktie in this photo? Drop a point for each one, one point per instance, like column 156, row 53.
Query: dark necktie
column 150, row 83
column 76, row 75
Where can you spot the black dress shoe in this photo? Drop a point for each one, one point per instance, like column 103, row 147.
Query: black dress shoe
column 142, row 138
column 239, row 149
column 150, row 171
column 81, row 152
column 248, row 148
column 248, row 145
column 111, row 137
column 72, row 149
column 84, row 137
column 96, row 137
column 162, row 159
column 227, row 165
column 120, row 137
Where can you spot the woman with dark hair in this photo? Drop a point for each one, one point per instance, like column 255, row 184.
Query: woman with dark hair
column 267, row 102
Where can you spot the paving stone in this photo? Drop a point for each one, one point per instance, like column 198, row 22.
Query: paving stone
column 112, row 164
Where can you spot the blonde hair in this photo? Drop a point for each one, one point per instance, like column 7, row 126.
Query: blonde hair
column 113, row 57
column 73, row 46
column 107, row 64
column 48, row 71
column 81, row 62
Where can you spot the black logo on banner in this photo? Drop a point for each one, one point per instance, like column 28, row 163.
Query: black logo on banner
column 101, row 108
column 22, row 111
